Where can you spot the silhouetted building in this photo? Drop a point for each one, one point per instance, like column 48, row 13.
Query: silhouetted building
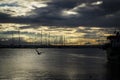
column 113, row 48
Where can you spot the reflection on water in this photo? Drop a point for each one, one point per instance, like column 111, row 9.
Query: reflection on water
column 53, row 64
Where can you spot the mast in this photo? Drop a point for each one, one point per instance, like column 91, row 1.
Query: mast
column 12, row 38
column 63, row 41
column 41, row 37
column 19, row 36
column 49, row 39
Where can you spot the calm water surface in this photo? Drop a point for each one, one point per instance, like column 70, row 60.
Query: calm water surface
column 53, row 64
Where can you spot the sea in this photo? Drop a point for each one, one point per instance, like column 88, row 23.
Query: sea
column 55, row 64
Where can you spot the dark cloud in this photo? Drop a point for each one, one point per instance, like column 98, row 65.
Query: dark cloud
column 4, row 16
column 111, row 6
column 104, row 15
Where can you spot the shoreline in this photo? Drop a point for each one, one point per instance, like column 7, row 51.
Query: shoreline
column 50, row 46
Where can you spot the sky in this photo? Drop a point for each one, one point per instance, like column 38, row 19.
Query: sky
column 79, row 22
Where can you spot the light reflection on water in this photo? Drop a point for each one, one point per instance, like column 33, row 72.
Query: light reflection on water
column 53, row 64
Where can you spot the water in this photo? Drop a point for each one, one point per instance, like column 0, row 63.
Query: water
column 53, row 64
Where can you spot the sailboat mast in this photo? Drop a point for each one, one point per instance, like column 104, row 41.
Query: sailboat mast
column 19, row 36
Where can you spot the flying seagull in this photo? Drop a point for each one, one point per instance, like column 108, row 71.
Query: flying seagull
column 38, row 52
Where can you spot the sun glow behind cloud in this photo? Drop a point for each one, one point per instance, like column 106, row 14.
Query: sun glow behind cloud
column 69, row 13
column 97, row 3
column 21, row 7
column 75, row 11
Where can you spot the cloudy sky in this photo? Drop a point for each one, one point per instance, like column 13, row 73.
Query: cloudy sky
column 78, row 21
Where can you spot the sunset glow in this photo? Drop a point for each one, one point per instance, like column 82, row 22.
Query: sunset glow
column 57, row 22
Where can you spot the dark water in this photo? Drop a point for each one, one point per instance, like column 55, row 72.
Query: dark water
column 53, row 64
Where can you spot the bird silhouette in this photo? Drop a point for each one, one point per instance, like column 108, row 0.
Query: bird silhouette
column 38, row 52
